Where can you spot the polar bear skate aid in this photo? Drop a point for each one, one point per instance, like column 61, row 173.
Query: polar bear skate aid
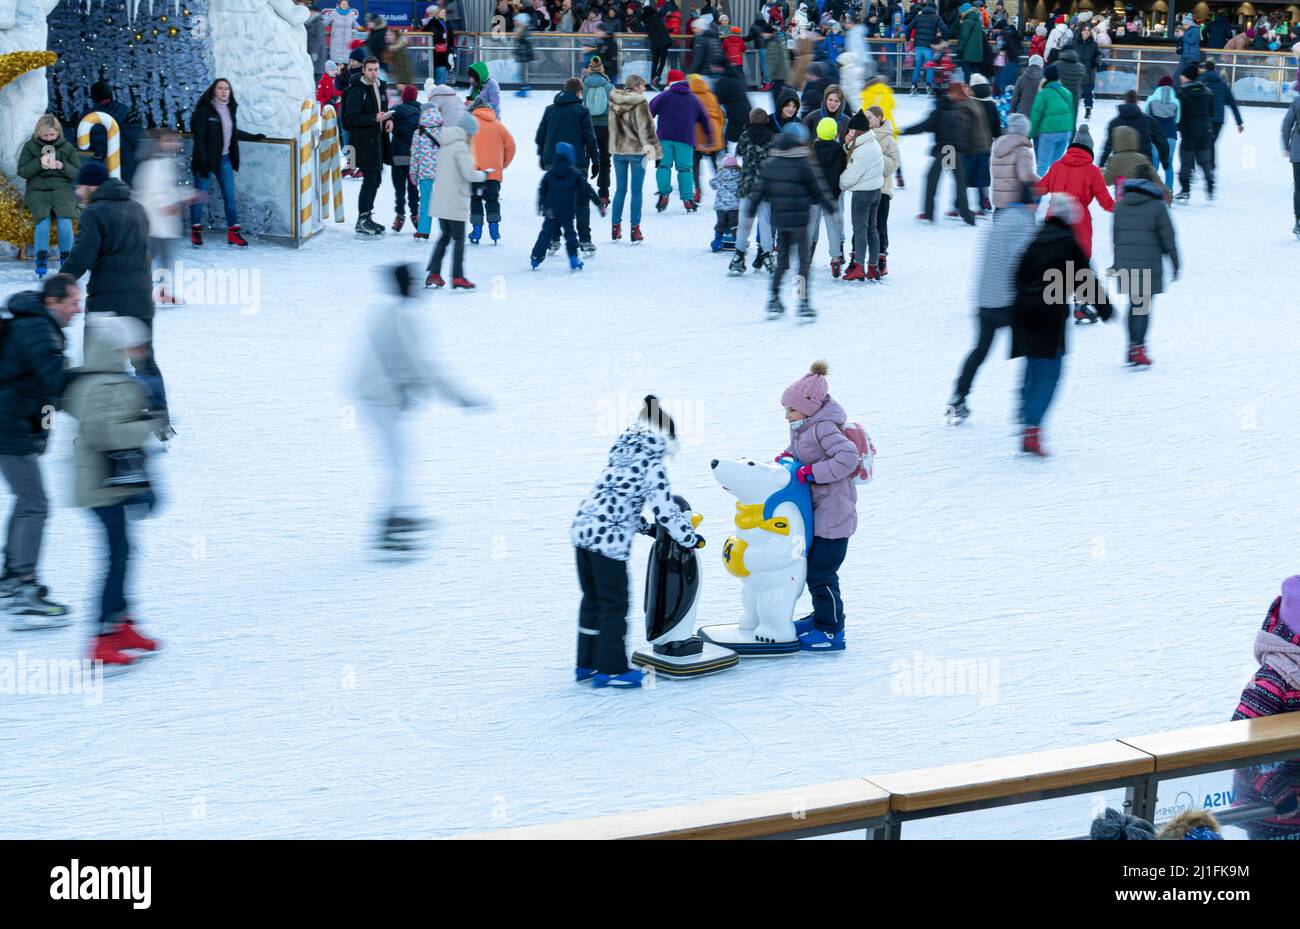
column 672, row 592
column 768, row 553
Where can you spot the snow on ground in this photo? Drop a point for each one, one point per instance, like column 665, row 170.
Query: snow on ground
column 1110, row 591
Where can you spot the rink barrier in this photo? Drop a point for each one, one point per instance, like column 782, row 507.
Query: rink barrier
column 881, row 804
column 560, row 55
column 113, row 153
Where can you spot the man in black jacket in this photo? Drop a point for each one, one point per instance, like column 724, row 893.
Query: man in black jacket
column 660, row 42
column 1197, row 145
column 368, row 123
column 129, row 123
column 33, row 377
column 924, row 31
column 567, row 120
column 1223, row 98
column 113, row 245
column 1149, row 133
column 949, row 140
column 790, row 186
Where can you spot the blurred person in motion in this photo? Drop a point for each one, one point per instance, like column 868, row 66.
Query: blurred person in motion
column 158, row 190
column 33, row 378
column 396, row 370
column 114, row 429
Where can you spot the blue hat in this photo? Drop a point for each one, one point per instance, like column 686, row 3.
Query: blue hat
column 563, row 153
column 357, row 54
column 961, row 10
column 797, row 131
column 92, row 174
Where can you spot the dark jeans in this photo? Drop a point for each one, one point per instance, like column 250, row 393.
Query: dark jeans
column 551, row 229
column 451, row 231
column 991, row 319
column 112, row 603
column 1139, row 318
column 824, row 560
column 932, row 187
column 1193, row 153
column 602, row 617
column 865, row 208
column 27, row 521
column 405, row 191
column 147, row 370
column 602, row 144
column 1041, row 378
column 225, row 176
column 371, row 176
column 727, row 220
column 788, row 241
column 658, row 59
column 1295, row 191
column 882, row 222
column 1087, row 94
column 485, row 198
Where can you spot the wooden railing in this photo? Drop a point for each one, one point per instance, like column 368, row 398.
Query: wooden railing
column 881, row 804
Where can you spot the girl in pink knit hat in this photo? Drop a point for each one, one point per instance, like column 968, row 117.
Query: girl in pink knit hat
column 828, row 458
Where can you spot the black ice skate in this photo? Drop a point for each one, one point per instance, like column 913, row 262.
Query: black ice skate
column 957, row 411
column 29, row 608
column 775, row 309
column 367, row 227
column 737, row 266
column 806, row 313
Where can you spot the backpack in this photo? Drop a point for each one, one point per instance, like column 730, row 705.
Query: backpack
column 866, row 469
column 596, row 99
column 866, row 453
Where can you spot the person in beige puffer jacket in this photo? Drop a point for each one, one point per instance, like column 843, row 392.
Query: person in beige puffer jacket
column 114, row 426
column 885, row 133
column 1012, row 163
column 632, row 139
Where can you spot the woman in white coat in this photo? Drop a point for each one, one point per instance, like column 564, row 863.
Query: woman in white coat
column 449, row 202
column 863, row 177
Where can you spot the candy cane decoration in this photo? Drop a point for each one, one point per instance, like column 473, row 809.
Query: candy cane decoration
column 113, row 157
column 331, row 173
column 305, row 127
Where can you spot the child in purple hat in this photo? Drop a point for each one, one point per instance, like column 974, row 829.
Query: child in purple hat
column 829, row 460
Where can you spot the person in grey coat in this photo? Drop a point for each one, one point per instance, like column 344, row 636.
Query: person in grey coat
column 1027, row 85
column 316, row 43
column 1291, row 148
column 1010, row 233
column 1143, row 237
column 1073, row 75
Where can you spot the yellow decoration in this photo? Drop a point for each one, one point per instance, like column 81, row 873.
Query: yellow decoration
column 750, row 516
column 733, row 556
column 16, row 226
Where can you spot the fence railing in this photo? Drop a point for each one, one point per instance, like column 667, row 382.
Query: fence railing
column 1255, row 77
column 881, row 804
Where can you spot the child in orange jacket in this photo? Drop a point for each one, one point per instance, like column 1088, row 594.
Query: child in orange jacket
column 493, row 149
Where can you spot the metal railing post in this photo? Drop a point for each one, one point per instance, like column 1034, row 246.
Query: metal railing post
column 1140, row 797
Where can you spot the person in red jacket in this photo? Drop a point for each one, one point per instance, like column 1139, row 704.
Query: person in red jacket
column 326, row 90
column 1076, row 175
column 733, row 46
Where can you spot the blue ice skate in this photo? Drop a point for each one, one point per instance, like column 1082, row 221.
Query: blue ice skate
column 583, row 674
column 716, row 244
column 805, row 625
column 575, row 262
column 626, row 680
column 819, row 641
column 494, row 230
column 475, row 234
column 535, row 262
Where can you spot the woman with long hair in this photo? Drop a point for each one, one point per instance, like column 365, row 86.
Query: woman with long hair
column 216, row 154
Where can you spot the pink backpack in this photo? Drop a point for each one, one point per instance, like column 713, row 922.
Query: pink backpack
column 866, row 453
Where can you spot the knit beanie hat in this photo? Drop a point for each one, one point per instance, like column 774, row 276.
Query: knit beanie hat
column 827, row 129
column 1035, row 60
column 808, row 394
column 730, row 161
column 469, row 124
column 92, row 174
column 857, row 122
column 1290, row 611
column 409, row 93
column 978, row 79
column 1112, row 825
column 1018, row 124
column 357, row 54
column 1083, row 138
column 1040, row 31
column 100, row 91
column 596, row 65
column 1051, row 73
column 1165, row 81
column 675, row 76
column 1191, row 71
column 331, row 66
column 797, row 131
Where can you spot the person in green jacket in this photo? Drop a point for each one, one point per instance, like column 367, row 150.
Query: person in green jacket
column 970, row 40
column 113, row 427
column 49, row 164
column 1051, row 121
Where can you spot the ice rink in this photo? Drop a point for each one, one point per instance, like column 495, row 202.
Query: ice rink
column 309, row 691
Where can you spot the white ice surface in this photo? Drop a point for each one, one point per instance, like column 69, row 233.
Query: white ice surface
column 307, row 691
